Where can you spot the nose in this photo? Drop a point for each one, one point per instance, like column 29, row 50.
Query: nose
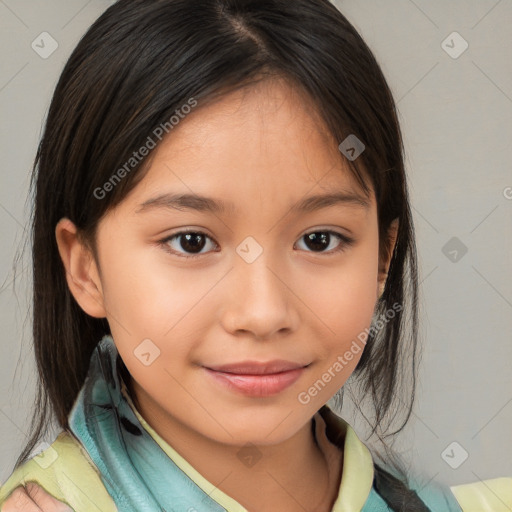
column 259, row 301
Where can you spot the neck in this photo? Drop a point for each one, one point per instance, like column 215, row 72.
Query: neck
column 265, row 485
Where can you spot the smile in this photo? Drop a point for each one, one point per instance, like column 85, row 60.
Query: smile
column 256, row 385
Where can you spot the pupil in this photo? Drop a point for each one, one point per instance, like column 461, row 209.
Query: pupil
column 191, row 242
column 315, row 241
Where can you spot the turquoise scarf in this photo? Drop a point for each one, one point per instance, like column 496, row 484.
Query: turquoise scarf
column 136, row 472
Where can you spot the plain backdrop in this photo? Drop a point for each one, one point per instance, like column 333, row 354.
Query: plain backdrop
column 448, row 65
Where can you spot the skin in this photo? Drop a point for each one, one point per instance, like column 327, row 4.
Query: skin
column 33, row 498
column 262, row 149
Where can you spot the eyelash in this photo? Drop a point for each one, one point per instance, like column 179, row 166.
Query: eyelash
column 346, row 242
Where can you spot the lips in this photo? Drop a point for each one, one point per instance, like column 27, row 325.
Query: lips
column 257, row 379
column 258, row 368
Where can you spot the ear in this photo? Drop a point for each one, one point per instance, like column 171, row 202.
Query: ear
column 385, row 256
column 82, row 273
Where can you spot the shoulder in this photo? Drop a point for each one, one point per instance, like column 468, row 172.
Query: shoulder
column 65, row 471
column 493, row 495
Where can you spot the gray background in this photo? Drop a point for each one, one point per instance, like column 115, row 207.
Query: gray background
column 456, row 115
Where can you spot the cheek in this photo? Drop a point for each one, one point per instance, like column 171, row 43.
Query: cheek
column 148, row 295
column 344, row 296
column 148, row 298
column 344, row 300
column 149, row 306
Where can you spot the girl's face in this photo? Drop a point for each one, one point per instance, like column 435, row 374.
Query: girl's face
column 267, row 272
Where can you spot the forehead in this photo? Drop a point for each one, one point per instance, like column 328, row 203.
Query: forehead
column 266, row 137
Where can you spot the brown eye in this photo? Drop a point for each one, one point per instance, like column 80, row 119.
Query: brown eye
column 320, row 241
column 187, row 242
column 192, row 242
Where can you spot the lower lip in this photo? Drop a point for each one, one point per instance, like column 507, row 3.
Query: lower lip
column 257, row 385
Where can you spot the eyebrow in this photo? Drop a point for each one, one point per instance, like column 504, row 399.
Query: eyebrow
column 215, row 206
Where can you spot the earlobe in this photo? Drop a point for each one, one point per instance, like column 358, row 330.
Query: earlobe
column 82, row 274
column 385, row 259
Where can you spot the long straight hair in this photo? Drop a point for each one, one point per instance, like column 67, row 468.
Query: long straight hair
column 135, row 67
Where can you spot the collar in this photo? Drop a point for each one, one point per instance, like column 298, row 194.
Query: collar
column 142, row 472
column 331, row 432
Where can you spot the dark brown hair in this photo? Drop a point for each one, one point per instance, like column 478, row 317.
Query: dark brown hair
column 136, row 65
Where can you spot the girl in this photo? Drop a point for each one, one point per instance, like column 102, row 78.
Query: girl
column 221, row 238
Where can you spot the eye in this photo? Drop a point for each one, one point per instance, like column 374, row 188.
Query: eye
column 319, row 241
column 192, row 242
